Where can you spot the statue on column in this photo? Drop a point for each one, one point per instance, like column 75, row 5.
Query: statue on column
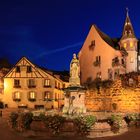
column 74, row 102
column 74, row 72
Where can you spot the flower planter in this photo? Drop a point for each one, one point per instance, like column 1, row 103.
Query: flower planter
column 38, row 126
column 68, row 128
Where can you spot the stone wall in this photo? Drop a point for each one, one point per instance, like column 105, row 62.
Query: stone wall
column 115, row 99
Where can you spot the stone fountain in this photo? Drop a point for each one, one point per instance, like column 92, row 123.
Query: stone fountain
column 74, row 102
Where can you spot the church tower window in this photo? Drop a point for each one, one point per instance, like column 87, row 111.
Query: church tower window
column 124, row 45
column 131, row 44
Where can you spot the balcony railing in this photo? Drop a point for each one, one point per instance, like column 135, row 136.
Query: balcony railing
column 17, row 86
column 47, row 86
column 97, row 63
column 115, row 62
column 16, row 99
column 31, row 86
column 32, row 99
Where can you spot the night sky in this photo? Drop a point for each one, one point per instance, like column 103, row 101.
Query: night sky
column 48, row 32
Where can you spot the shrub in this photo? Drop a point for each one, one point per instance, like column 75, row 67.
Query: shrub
column 116, row 122
column 84, row 123
column 12, row 121
column 24, row 120
column 54, row 122
column 131, row 118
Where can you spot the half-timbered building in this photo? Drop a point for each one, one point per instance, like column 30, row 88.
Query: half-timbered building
column 27, row 85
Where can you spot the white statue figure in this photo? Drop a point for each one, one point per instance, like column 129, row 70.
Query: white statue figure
column 74, row 71
column 74, row 67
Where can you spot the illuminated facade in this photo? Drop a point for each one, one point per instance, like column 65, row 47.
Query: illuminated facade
column 27, row 85
column 105, row 58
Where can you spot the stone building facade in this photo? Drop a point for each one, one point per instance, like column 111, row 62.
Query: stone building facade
column 105, row 58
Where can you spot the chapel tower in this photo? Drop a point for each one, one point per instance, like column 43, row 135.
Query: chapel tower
column 129, row 42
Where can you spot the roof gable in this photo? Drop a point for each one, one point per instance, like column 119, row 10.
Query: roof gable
column 36, row 72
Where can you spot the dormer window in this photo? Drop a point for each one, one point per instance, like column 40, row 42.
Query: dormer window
column 29, row 69
column 18, row 69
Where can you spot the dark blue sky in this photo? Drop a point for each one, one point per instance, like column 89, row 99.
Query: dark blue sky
column 48, row 32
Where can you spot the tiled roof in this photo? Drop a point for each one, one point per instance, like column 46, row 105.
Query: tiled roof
column 112, row 42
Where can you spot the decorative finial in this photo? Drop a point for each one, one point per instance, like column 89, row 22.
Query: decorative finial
column 127, row 11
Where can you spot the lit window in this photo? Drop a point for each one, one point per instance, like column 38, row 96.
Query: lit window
column 17, row 96
column 124, row 45
column 47, row 96
column 131, row 44
column 32, row 96
column 47, row 82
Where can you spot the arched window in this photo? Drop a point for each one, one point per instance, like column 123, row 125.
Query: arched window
column 32, row 96
column 17, row 96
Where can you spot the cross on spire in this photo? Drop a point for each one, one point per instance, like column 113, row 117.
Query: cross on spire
column 127, row 11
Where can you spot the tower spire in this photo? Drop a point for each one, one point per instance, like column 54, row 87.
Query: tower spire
column 128, row 31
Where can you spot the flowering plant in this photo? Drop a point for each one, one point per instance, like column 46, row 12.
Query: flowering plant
column 54, row 122
column 12, row 121
column 84, row 123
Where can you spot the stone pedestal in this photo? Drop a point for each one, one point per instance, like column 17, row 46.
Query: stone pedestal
column 74, row 101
